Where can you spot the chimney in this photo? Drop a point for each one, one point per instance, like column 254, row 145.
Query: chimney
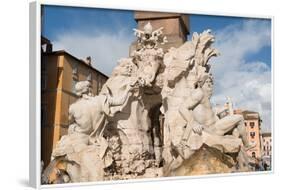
column 88, row 60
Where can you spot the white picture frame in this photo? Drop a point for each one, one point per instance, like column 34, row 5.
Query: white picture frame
column 35, row 78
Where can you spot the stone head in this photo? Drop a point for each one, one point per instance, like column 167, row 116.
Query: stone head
column 125, row 67
column 206, row 83
column 82, row 87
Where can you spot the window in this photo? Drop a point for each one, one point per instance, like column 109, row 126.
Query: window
column 252, row 124
column 74, row 82
column 245, row 124
column 89, row 77
column 99, row 84
column 252, row 134
column 75, row 71
column 74, row 78
column 253, row 155
column 44, row 47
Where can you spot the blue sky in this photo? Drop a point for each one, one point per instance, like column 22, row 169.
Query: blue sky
column 200, row 22
column 243, row 71
column 59, row 19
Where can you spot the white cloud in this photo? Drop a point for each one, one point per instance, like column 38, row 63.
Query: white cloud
column 105, row 48
column 248, row 83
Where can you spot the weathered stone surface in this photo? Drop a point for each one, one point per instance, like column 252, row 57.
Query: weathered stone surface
column 117, row 134
column 175, row 27
column 206, row 161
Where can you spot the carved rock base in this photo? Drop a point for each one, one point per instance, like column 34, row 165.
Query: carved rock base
column 207, row 160
column 152, row 172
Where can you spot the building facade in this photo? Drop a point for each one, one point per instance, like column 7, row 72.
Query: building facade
column 266, row 150
column 60, row 71
column 252, row 123
column 267, row 144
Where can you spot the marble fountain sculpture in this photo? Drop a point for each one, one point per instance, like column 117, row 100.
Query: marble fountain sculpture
column 121, row 134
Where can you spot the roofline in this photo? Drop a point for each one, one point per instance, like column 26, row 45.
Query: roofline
column 60, row 52
column 46, row 40
column 249, row 112
column 266, row 134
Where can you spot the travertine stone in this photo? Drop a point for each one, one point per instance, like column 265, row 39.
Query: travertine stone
column 205, row 161
column 175, row 27
column 190, row 121
column 118, row 134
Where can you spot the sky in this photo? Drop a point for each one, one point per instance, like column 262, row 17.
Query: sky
column 242, row 71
